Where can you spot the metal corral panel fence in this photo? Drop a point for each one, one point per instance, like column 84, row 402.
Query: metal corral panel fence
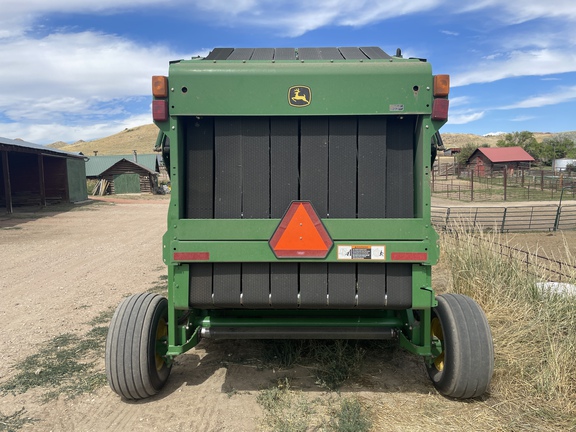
column 537, row 265
column 502, row 184
column 505, row 219
column 567, row 217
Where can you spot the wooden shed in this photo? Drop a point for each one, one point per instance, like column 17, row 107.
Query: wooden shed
column 32, row 174
column 484, row 160
column 125, row 174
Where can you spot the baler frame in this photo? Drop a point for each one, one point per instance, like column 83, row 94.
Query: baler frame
column 244, row 162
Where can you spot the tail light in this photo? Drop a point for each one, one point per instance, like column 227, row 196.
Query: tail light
column 160, row 110
column 440, row 109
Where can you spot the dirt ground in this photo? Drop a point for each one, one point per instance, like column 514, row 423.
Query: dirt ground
column 60, row 270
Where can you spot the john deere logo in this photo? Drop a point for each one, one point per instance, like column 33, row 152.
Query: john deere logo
column 299, row 96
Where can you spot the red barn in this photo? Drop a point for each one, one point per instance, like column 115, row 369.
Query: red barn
column 485, row 159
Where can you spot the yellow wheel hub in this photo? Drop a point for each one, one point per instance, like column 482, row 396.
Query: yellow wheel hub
column 161, row 334
column 436, row 331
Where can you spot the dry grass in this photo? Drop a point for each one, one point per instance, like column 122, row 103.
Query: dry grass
column 141, row 138
column 65, row 365
column 460, row 139
column 287, row 410
column 534, row 332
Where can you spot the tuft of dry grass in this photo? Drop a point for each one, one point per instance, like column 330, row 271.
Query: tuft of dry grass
column 534, row 330
column 287, row 410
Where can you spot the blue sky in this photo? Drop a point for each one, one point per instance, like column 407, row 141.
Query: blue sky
column 80, row 70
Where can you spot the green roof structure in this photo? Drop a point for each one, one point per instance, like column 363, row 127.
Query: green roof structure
column 96, row 165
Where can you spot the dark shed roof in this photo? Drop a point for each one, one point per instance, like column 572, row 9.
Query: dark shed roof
column 24, row 146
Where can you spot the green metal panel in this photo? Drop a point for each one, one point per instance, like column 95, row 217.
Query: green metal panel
column 339, row 229
column 260, row 251
column 77, row 189
column 127, row 183
column 394, row 86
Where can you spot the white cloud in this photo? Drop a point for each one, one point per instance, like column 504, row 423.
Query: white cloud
column 79, row 65
column 463, row 118
column 493, row 56
column 517, row 11
column 522, row 118
column 459, row 101
column 19, row 16
column 564, row 94
column 46, row 133
column 296, row 17
column 232, row 7
column 292, row 17
column 450, row 33
column 518, row 63
column 75, row 83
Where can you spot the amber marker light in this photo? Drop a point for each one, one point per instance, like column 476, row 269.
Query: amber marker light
column 441, row 85
column 159, row 86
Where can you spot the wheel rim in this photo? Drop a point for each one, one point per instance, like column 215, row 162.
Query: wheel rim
column 161, row 335
column 436, row 330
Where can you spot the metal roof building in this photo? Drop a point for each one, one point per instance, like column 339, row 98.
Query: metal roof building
column 96, row 165
column 486, row 159
column 125, row 173
column 503, row 154
column 32, row 174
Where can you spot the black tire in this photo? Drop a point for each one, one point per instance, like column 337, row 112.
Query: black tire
column 133, row 367
column 465, row 367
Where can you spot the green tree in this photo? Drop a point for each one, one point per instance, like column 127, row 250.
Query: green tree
column 537, row 150
column 557, row 147
column 522, row 139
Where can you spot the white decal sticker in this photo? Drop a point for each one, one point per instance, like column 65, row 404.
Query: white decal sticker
column 362, row 252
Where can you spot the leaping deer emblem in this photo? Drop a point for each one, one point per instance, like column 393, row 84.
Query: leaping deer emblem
column 299, row 96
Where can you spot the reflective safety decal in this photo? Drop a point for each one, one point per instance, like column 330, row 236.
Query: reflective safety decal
column 362, row 252
column 409, row 256
column 301, row 234
column 191, row 256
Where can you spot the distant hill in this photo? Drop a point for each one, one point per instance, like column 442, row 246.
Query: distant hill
column 141, row 138
column 452, row 140
column 58, row 145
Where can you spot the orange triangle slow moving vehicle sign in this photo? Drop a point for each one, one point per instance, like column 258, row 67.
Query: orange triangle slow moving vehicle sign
column 301, row 234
